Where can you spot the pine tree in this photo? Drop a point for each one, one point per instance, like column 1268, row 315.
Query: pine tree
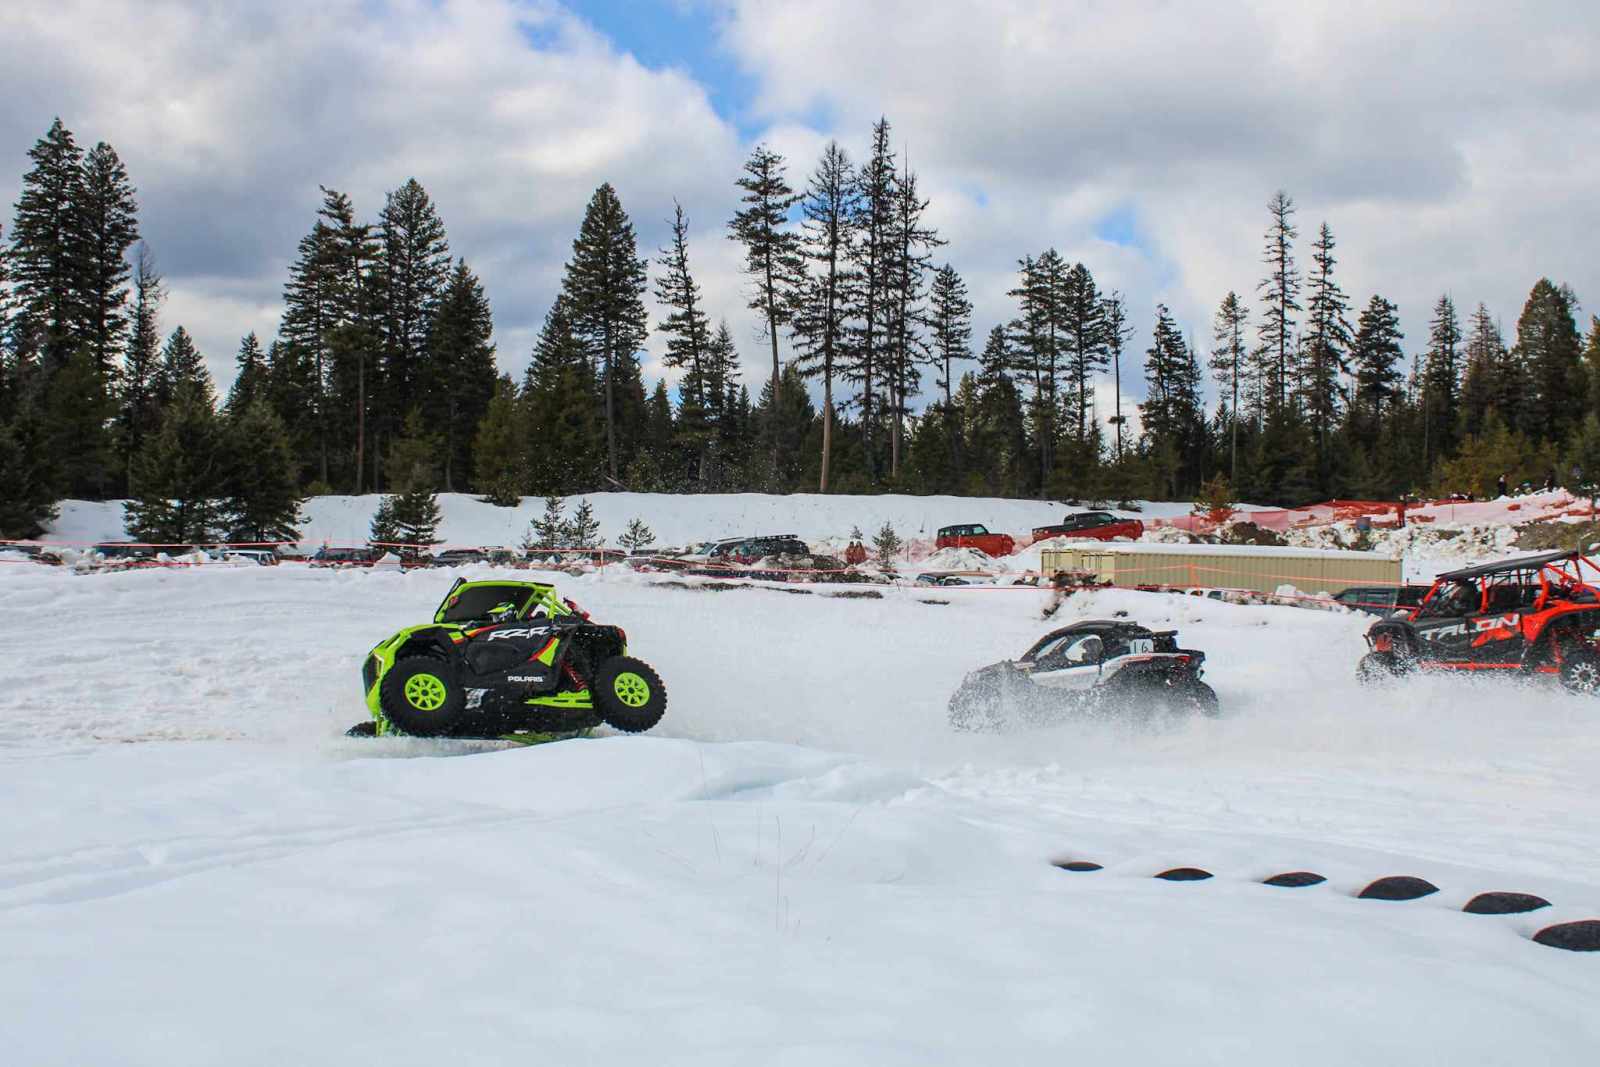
column 1325, row 356
column 179, row 476
column 250, row 380
column 604, row 286
column 262, row 492
column 950, row 319
column 181, row 364
column 873, row 224
column 564, row 442
column 1230, row 367
column 1376, row 359
column 497, row 459
column 636, row 537
column 140, row 408
column 461, row 370
column 905, row 350
column 78, row 413
column 1280, row 291
column 326, row 323
column 1172, row 417
column 1087, row 351
column 46, row 245
column 822, row 305
column 790, row 416
column 1549, row 347
column 1117, row 333
column 1441, row 383
column 1039, row 344
column 412, row 459
column 107, row 226
column 887, row 543
column 584, row 530
column 689, row 341
column 409, row 278
column 416, row 518
column 384, row 533
column 27, row 463
column 1485, row 352
column 548, row 531
column 950, row 323
column 772, row 252
column 1591, row 362
column 1583, row 460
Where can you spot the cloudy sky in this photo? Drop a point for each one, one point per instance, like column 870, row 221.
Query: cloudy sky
column 1453, row 147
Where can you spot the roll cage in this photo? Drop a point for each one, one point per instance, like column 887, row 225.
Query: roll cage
column 1529, row 584
column 469, row 601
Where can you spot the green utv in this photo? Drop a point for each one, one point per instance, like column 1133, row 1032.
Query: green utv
column 507, row 660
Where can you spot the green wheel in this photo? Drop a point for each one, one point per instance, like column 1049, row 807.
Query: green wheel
column 628, row 694
column 420, row 696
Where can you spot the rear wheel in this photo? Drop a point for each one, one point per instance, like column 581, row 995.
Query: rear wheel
column 421, row 697
column 1580, row 673
column 628, row 694
column 1200, row 697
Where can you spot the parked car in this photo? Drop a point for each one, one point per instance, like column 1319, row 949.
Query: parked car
column 328, row 556
column 976, row 535
column 1381, row 600
column 460, row 557
column 1095, row 525
column 123, row 552
column 748, row 550
column 265, row 557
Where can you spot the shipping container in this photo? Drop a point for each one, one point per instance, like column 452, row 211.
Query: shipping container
column 1262, row 569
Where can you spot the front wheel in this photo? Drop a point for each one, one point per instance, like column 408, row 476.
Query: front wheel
column 1580, row 673
column 1377, row 668
column 421, row 697
column 629, row 694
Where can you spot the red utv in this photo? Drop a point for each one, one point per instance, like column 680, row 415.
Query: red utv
column 1535, row 615
column 975, row 535
column 1095, row 525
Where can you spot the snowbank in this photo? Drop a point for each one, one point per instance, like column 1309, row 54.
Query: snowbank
column 677, row 520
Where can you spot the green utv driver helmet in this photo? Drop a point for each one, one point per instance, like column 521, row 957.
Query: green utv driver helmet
column 503, row 611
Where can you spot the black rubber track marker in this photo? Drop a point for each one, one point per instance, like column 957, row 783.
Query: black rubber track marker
column 1504, row 903
column 1580, row 936
column 1398, row 887
column 1294, row 879
column 1184, row 874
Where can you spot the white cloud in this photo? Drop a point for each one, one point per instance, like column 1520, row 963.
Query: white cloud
column 1451, row 150
column 1450, row 147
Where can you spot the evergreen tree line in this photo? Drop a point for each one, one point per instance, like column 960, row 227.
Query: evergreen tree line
column 382, row 375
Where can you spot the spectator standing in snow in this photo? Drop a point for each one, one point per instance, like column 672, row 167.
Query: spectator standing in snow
column 856, row 554
column 1500, row 486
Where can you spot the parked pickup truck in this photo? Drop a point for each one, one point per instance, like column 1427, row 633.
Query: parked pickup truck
column 975, row 535
column 1095, row 525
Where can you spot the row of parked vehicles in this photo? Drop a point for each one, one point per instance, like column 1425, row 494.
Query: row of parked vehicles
column 1091, row 525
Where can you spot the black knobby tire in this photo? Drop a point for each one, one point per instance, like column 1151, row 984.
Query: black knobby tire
column 628, row 694
column 1202, row 698
column 1376, row 668
column 415, row 705
column 1580, row 673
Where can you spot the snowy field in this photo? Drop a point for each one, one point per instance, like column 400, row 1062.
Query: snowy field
column 802, row 865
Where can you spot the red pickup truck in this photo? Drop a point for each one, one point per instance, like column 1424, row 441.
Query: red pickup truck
column 1095, row 525
column 976, row 535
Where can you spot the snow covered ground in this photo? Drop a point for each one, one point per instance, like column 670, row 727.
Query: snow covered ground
column 802, row 865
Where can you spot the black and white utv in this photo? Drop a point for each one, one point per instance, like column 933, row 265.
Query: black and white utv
column 1092, row 667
